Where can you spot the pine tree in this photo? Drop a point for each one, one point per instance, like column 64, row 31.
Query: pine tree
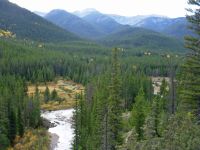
column 54, row 95
column 80, row 124
column 20, row 122
column 46, row 95
column 190, row 93
column 75, row 125
column 163, row 88
column 115, row 104
column 37, row 107
column 12, row 125
column 4, row 123
column 152, row 122
column 138, row 114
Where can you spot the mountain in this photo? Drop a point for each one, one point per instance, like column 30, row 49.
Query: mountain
column 154, row 23
column 103, row 22
column 84, row 12
column 110, row 23
column 27, row 25
column 176, row 27
column 142, row 39
column 129, row 20
column 73, row 24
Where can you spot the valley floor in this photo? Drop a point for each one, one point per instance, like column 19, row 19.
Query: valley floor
column 66, row 89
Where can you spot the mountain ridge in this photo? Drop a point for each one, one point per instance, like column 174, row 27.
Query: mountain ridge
column 72, row 23
column 27, row 25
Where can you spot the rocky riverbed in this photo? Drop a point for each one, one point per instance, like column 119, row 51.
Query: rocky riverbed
column 60, row 128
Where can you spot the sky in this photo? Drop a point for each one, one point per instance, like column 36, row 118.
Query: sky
column 170, row 8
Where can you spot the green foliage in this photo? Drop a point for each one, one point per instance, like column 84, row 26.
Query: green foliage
column 54, row 95
column 80, row 125
column 114, row 103
column 139, row 113
column 181, row 133
column 100, row 112
column 131, row 85
column 47, row 95
column 190, row 91
column 20, row 122
column 4, row 141
column 12, row 132
column 16, row 111
column 143, row 38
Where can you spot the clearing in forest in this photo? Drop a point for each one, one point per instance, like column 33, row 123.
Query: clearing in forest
column 66, row 91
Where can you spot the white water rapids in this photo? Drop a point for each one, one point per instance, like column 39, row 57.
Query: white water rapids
column 63, row 128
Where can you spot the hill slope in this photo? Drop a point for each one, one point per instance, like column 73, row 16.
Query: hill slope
column 73, row 24
column 179, row 28
column 27, row 25
column 143, row 39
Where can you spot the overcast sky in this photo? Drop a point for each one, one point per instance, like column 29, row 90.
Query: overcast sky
column 170, row 8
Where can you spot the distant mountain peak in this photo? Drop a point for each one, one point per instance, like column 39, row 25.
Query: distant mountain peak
column 85, row 12
column 58, row 10
column 89, row 10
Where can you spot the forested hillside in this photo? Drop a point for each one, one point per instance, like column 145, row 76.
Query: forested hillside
column 143, row 39
column 26, row 25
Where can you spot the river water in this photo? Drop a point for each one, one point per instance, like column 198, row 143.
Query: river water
column 63, row 128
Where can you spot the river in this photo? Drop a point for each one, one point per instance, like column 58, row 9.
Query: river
column 62, row 130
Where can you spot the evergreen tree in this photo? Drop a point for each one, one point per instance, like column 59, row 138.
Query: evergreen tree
column 190, row 82
column 12, row 125
column 80, row 124
column 20, row 122
column 138, row 114
column 4, row 141
column 37, row 107
column 46, row 95
column 152, row 122
column 163, row 88
column 54, row 95
column 115, row 104
column 75, row 125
